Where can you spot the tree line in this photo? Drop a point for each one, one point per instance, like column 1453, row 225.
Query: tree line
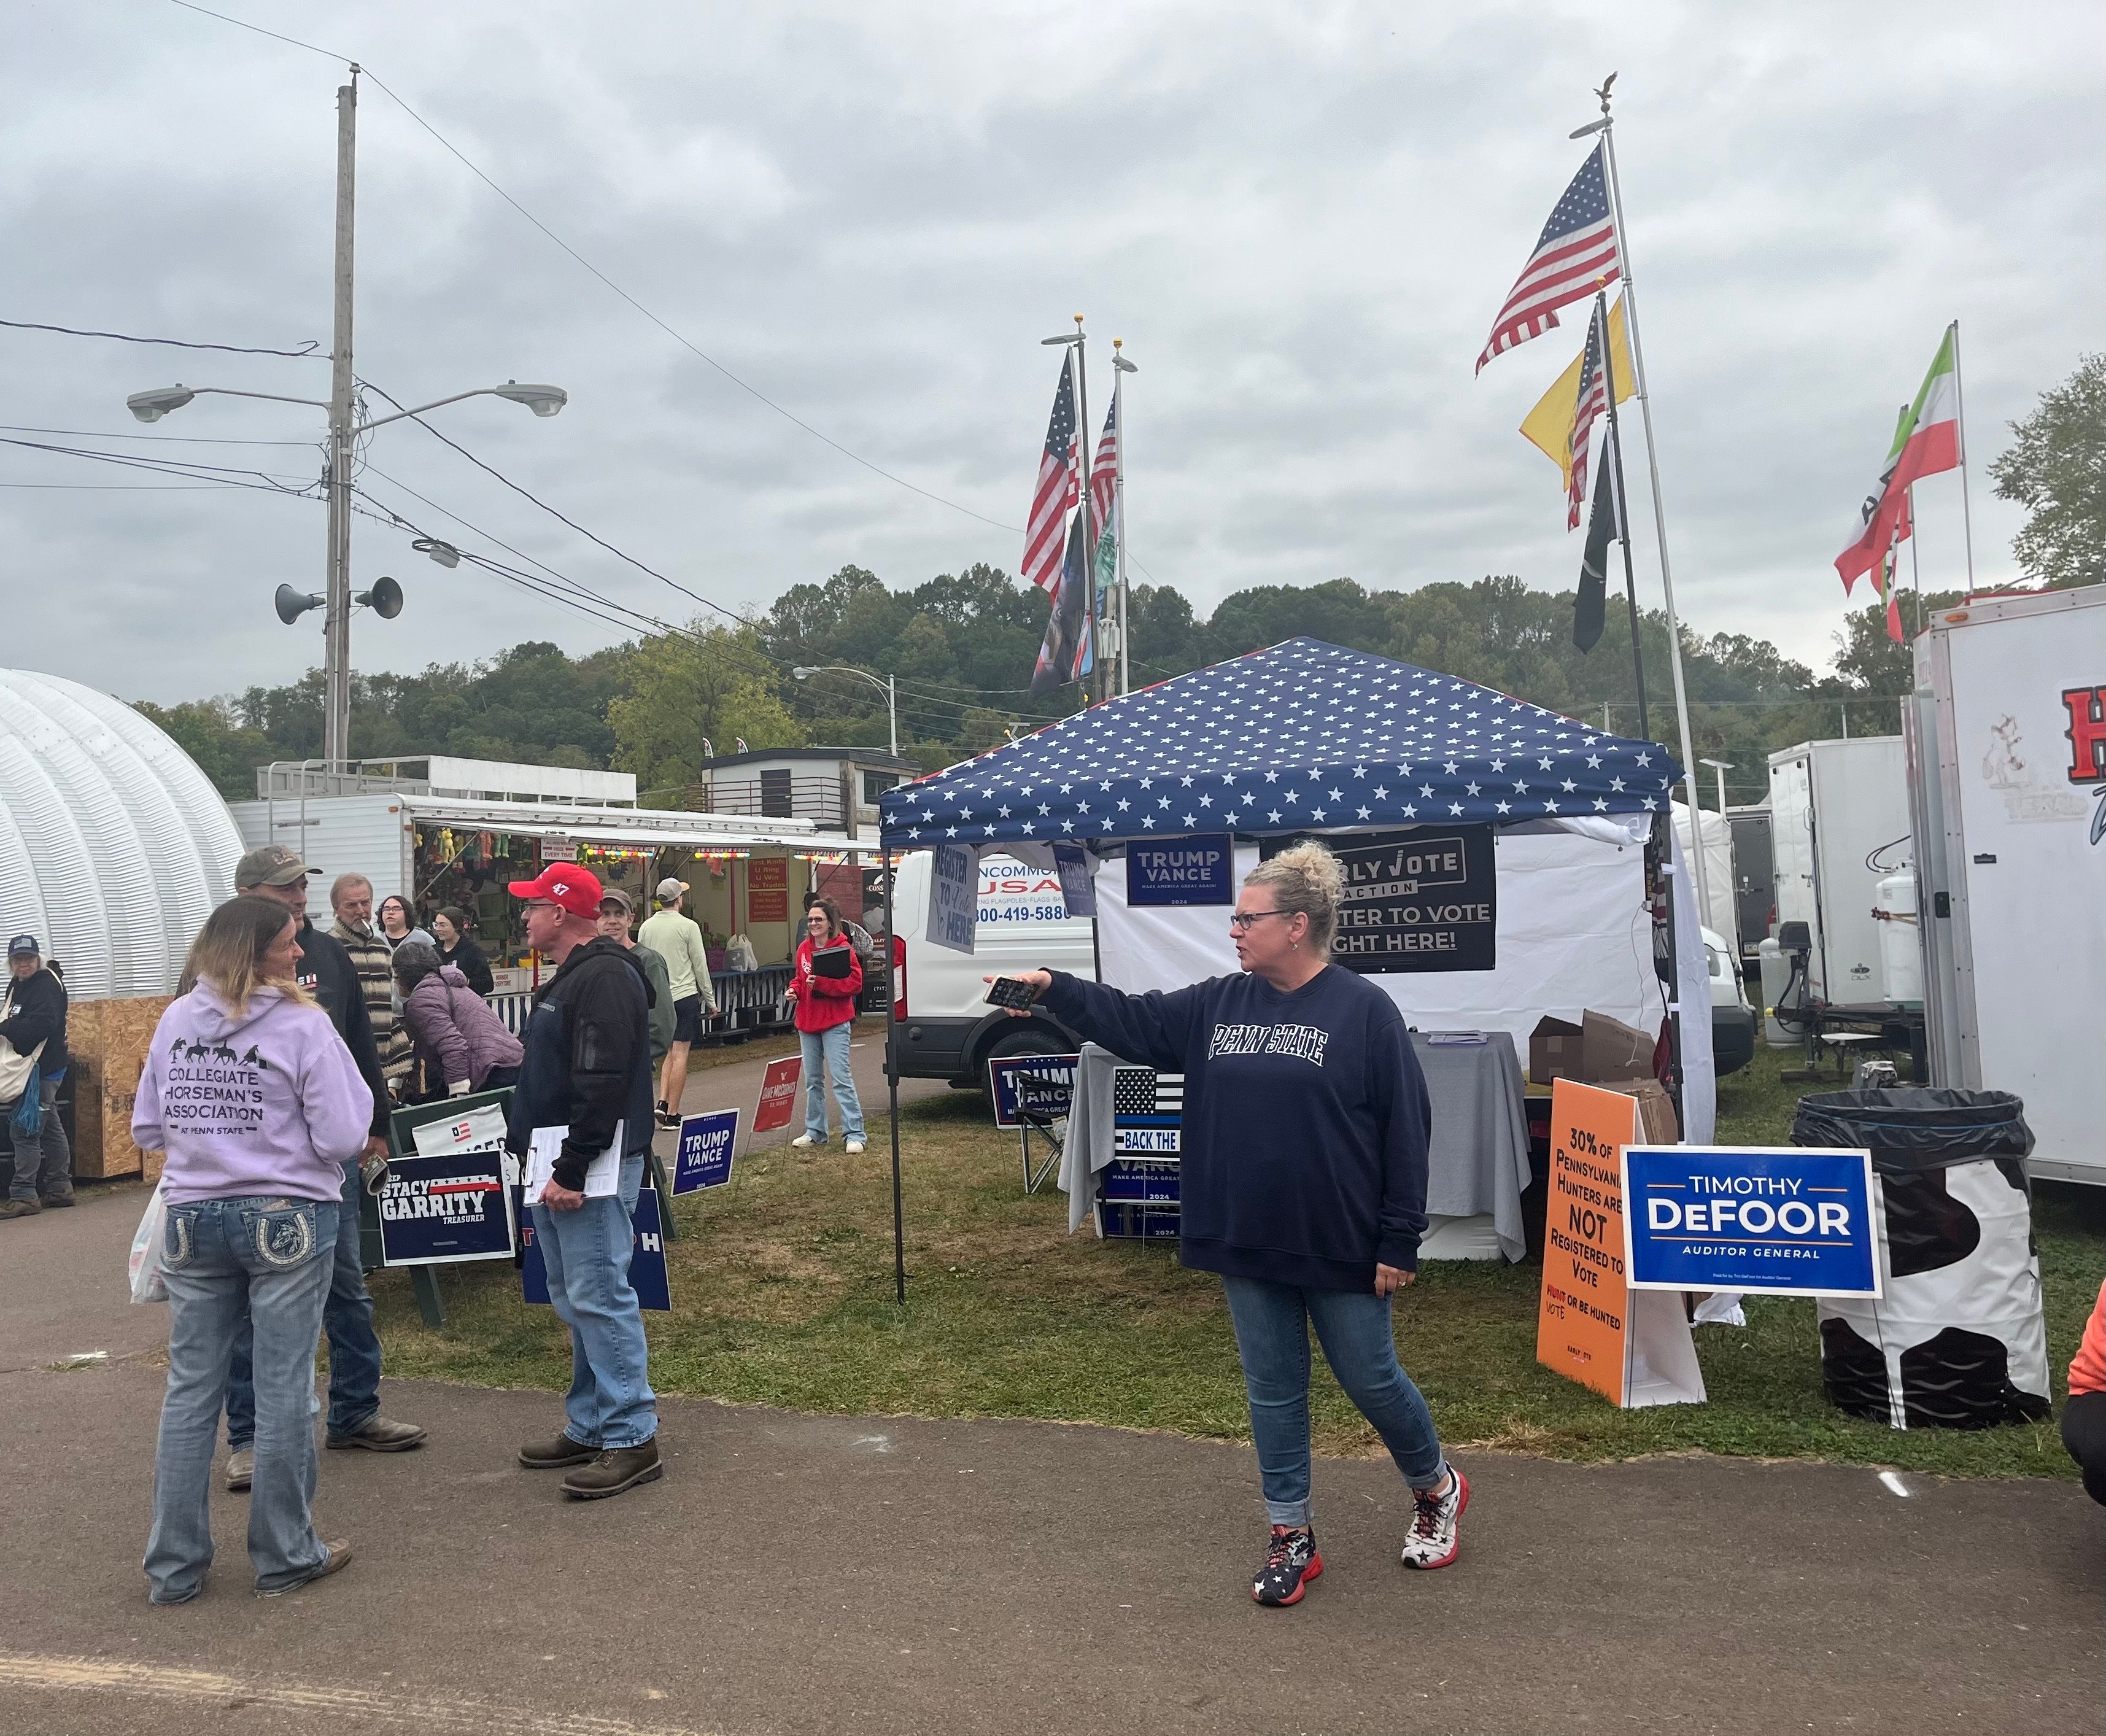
column 960, row 647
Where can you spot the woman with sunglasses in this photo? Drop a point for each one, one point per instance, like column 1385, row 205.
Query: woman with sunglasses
column 1303, row 1184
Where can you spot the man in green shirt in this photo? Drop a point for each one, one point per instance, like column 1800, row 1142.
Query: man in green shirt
column 677, row 940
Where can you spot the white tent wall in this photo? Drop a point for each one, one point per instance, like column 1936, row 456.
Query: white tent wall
column 1723, row 918
column 1573, row 933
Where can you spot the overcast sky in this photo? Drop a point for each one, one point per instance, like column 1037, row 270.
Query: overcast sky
column 1301, row 218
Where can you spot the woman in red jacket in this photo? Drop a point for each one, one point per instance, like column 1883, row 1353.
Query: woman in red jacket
column 824, row 992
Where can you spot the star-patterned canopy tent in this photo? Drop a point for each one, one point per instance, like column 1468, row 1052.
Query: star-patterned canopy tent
column 1303, row 735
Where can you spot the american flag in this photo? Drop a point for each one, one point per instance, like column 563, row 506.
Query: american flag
column 1594, row 400
column 1057, row 488
column 1103, row 473
column 1303, row 736
column 1575, row 256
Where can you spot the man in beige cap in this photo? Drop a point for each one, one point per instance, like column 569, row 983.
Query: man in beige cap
column 678, row 940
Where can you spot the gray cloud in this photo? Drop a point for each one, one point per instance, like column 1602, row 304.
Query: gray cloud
column 1300, row 219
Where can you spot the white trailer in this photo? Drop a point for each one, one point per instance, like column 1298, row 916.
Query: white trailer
column 2007, row 764
column 1836, row 809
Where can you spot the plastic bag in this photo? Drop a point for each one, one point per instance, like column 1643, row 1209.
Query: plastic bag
column 147, row 1242
column 28, row 1119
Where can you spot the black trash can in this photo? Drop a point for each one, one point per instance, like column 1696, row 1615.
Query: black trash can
column 1958, row 1340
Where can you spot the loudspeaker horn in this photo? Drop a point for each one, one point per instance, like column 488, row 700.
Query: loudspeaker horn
column 384, row 599
column 291, row 604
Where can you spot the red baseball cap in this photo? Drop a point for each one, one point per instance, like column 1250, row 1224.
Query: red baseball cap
column 577, row 890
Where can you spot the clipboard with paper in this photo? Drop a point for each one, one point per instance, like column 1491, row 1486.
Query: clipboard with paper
column 544, row 1144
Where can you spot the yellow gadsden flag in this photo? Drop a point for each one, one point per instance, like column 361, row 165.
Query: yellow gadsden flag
column 1549, row 425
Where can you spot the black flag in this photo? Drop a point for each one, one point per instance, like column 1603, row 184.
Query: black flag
column 1067, row 626
column 1589, row 607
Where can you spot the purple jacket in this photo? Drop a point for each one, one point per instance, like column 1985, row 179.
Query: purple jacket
column 267, row 1101
column 454, row 1027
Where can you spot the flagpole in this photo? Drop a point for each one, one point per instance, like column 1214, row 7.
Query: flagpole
column 1622, row 513
column 1121, row 367
column 1966, row 507
column 1608, row 131
column 1093, row 688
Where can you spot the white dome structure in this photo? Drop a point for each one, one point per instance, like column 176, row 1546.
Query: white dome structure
column 114, row 846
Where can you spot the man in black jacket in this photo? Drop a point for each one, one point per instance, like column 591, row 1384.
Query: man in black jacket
column 582, row 1120
column 35, row 1004
column 326, row 972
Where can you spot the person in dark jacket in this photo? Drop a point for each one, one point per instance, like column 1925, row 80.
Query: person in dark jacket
column 463, row 1044
column 33, row 1011
column 581, row 1120
column 457, row 948
column 1303, row 1184
column 325, row 972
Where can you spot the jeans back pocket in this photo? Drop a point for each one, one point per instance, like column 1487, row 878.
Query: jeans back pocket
column 179, row 1237
column 284, row 1238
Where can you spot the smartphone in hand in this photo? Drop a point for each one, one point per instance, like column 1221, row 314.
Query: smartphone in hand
column 1011, row 991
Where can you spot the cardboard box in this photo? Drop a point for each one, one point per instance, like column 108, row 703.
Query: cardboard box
column 108, row 1041
column 1598, row 1049
column 1657, row 1125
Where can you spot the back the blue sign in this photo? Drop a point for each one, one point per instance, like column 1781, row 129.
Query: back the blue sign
column 1776, row 1220
column 1199, row 870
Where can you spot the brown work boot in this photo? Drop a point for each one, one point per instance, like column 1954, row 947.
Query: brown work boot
column 19, row 1208
column 617, row 1468
column 555, row 1455
column 376, row 1434
column 337, row 1559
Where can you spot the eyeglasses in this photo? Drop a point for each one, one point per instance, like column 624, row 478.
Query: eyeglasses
column 1242, row 921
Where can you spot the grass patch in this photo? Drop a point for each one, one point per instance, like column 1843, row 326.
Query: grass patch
column 783, row 1290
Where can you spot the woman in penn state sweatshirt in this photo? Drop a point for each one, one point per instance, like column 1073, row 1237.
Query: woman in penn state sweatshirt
column 1303, row 1184
column 257, row 1104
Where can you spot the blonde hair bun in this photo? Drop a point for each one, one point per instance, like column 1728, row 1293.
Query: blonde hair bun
column 1305, row 877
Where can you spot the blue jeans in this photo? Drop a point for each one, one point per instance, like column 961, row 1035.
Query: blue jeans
column 263, row 1260
column 354, row 1346
column 1272, row 1333
column 827, row 1052
column 48, row 1152
column 586, row 1255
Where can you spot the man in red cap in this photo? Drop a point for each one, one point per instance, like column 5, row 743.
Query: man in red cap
column 587, row 1070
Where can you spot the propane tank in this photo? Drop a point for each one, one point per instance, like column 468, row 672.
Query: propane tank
column 1901, row 941
column 1776, row 972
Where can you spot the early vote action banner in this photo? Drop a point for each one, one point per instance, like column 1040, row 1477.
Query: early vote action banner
column 1425, row 900
column 1784, row 1221
column 1631, row 1346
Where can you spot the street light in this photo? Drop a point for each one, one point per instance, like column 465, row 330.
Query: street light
column 345, row 429
column 1721, row 767
column 804, row 672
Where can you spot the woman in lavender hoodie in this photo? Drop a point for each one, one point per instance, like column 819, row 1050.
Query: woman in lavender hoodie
column 257, row 1104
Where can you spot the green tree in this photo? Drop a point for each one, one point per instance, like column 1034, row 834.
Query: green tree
column 211, row 731
column 2056, row 470
column 710, row 684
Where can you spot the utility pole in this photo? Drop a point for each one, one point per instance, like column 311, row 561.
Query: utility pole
column 336, row 628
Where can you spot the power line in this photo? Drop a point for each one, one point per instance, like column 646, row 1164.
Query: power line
column 679, row 337
column 528, row 494
column 96, row 433
column 173, row 343
column 224, row 475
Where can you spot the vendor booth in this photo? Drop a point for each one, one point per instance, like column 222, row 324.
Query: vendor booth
column 453, row 832
column 1505, row 865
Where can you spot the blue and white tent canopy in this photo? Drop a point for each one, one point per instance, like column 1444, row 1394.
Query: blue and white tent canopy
column 1305, row 735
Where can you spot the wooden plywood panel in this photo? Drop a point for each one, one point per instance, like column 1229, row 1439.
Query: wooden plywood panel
column 108, row 1040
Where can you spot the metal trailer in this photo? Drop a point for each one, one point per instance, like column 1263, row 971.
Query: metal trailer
column 1833, row 804
column 1754, row 877
column 2006, row 733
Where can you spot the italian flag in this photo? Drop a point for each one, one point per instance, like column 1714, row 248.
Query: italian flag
column 1926, row 440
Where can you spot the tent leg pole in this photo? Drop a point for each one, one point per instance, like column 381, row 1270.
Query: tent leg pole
column 1670, row 984
column 892, row 1087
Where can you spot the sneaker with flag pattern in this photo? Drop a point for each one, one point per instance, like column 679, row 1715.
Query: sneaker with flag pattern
column 1290, row 1564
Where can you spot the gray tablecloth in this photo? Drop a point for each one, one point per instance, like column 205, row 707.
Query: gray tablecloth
column 1479, row 1161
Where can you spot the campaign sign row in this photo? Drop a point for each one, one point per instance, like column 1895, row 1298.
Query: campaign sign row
column 1629, row 1229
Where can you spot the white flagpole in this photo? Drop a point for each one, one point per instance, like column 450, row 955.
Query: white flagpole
column 1121, row 367
column 1607, row 129
column 1960, row 411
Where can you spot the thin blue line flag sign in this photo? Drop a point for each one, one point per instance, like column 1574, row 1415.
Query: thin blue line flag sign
column 1780, row 1221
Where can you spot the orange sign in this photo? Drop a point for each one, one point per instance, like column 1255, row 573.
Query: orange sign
column 1584, row 1318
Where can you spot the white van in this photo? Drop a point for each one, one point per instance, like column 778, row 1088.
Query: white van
column 947, row 1029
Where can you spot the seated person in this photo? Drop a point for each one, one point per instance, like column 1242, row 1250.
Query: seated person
column 2084, row 1414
